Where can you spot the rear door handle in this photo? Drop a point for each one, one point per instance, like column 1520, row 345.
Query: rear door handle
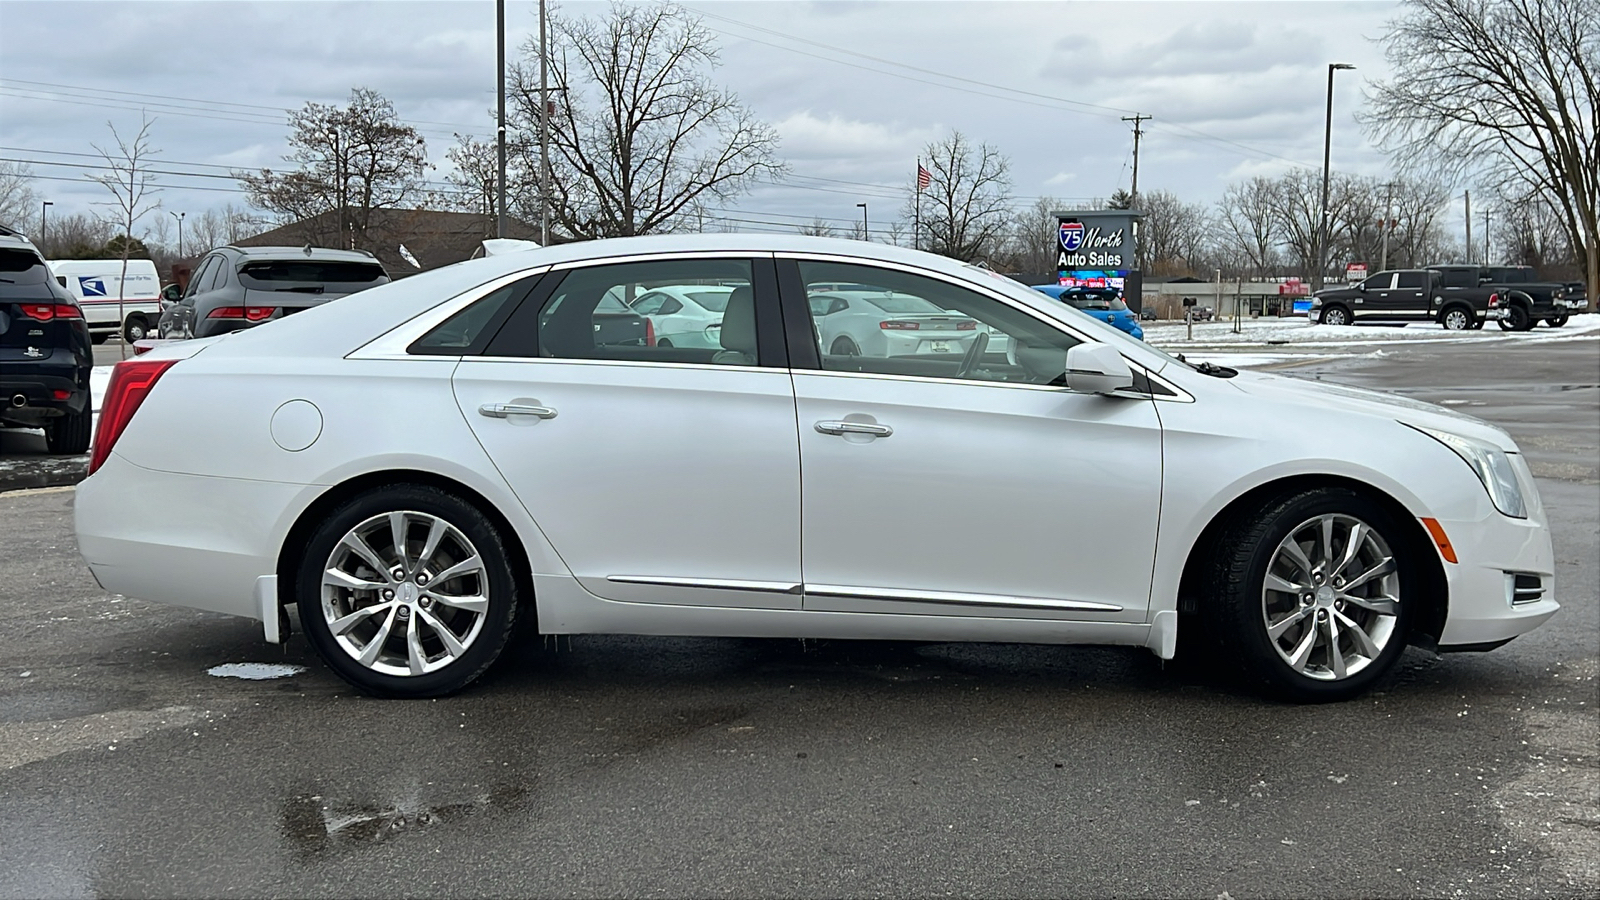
column 854, row 428
column 502, row 410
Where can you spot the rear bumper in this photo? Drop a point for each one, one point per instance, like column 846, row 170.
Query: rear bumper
column 41, row 385
column 188, row 540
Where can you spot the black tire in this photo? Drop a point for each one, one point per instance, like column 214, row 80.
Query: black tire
column 135, row 328
column 1477, row 325
column 667, row 344
column 482, row 649
column 845, row 347
column 1456, row 318
column 69, row 434
column 1238, row 599
column 1557, row 320
column 1337, row 314
column 99, row 337
column 1516, row 319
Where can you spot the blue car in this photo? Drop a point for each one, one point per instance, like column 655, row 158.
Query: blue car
column 1104, row 304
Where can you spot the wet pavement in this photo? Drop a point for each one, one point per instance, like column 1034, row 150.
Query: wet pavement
column 627, row 766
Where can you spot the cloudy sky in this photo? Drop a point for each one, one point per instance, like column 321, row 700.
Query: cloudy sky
column 855, row 89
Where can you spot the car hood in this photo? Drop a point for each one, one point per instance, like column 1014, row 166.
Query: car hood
column 1404, row 410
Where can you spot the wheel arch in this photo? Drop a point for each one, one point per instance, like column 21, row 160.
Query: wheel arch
column 1427, row 623
column 1464, row 306
column 292, row 551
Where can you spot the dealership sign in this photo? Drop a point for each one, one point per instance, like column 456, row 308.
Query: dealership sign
column 1096, row 239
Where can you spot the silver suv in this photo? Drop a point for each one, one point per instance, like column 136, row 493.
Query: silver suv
column 240, row 287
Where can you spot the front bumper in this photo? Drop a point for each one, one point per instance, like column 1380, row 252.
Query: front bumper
column 1575, row 304
column 1485, row 606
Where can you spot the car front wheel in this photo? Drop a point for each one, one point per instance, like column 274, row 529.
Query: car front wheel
column 1336, row 315
column 406, row 591
column 1311, row 595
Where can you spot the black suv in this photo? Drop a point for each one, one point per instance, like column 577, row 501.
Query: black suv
column 45, row 353
column 241, row 287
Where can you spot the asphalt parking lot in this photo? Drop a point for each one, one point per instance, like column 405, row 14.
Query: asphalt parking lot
column 620, row 766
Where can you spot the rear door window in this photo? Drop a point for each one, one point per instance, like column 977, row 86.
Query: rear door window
column 1412, row 280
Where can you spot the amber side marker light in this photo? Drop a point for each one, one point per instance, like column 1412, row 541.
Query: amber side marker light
column 1436, row 531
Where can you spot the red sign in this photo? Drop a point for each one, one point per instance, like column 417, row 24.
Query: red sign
column 1354, row 272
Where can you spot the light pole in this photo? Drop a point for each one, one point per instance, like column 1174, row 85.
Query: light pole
column 500, row 131
column 544, row 128
column 1327, row 146
column 338, row 169
column 179, row 216
column 42, row 210
column 865, row 235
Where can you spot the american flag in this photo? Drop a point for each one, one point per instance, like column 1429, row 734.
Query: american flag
column 924, row 177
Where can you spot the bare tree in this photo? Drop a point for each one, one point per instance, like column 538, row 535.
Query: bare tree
column 76, row 236
column 132, row 188
column 968, row 203
column 18, row 200
column 350, row 161
column 1248, row 225
column 640, row 133
column 1029, row 245
column 816, row 228
column 1507, row 93
column 1172, row 234
column 474, row 175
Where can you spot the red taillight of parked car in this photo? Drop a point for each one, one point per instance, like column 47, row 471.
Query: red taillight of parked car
column 44, row 312
column 247, row 313
column 966, row 326
column 649, row 333
column 131, row 381
column 899, row 325
column 1494, row 300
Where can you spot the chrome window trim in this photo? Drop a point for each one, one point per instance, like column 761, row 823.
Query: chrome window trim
column 392, row 344
column 721, row 584
column 631, row 363
column 957, row 598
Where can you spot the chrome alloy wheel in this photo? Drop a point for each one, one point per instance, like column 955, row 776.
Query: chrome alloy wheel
column 405, row 593
column 1334, row 316
column 1456, row 320
column 1331, row 598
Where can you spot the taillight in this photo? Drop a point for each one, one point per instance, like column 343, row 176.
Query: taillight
column 44, row 312
column 131, row 381
column 649, row 333
column 247, row 313
column 899, row 325
column 1494, row 300
column 967, row 326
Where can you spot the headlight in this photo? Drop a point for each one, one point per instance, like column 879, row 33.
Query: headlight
column 1492, row 467
column 1316, row 301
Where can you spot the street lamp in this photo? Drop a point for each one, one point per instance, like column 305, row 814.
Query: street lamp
column 179, row 216
column 865, row 235
column 1327, row 146
column 42, row 210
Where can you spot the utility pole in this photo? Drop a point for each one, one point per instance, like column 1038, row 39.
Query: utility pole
column 500, row 132
column 865, row 234
column 42, row 210
column 1327, row 148
column 1488, row 251
column 1388, row 203
column 1133, row 202
column 544, row 130
column 1467, row 196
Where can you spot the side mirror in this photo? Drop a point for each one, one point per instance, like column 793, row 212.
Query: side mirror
column 1094, row 368
column 1362, row 287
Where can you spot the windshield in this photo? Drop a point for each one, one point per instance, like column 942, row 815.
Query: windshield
column 901, row 303
column 716, row 301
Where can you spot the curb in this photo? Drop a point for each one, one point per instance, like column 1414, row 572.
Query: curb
column 59, row 472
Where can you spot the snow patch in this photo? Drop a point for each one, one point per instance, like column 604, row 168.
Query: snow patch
column 255, row 671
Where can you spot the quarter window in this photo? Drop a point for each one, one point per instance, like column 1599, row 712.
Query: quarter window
column 888, row 322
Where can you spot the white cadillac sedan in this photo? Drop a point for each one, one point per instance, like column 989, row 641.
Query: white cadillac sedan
column 421, row 467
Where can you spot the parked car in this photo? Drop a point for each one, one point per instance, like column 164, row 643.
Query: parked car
column 234, row 288
column 1104, row 304
column 1528, row 300
column 882, row 323
column 104, row 289
column 1458, row 297
column 45, row 350
column 422, row 467
column 684, row 315
column 1147, row 315
column 1201, row 313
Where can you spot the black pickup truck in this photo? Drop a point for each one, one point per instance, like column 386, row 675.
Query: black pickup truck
column 1457, row 297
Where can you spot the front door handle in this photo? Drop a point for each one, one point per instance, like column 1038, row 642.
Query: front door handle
column 502, row 410
column 854, row 428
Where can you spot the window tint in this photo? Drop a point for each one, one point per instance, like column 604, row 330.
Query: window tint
column 269, row 274
column 197, row 281
column 219, row 273
column 1379, row 282
column 467, row 330
column 1413, row 280
column 914, row 325
column 598, row 313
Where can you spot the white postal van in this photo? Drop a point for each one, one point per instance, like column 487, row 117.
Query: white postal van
column 96, row 284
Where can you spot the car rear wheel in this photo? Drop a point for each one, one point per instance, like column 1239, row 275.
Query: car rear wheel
column 1456, row 319
column 135, row 329
column 845, row 347
column 1336, row 315
column 1557, row 320
column 407, row 591
column 69, row 434
column 1311, row 593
